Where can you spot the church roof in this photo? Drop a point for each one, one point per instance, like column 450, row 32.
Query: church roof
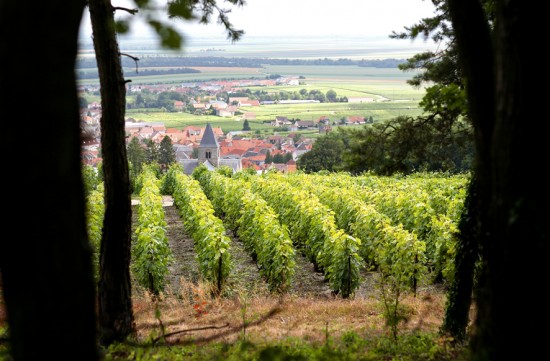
column 208, row 138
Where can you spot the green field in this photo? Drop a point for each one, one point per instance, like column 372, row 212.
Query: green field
column 388, row 86
column 181, row 120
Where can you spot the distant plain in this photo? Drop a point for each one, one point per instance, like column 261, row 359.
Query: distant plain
column 388, row 86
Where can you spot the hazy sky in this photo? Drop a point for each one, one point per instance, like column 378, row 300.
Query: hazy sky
column 372, row 18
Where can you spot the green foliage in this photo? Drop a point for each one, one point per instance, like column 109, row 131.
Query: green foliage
column 136, row 158
column 442, row 138
column 95, row 212
column 168, row 180
column 151, row 253
column 423, row 207
column 257, row 226
column 225, row 171
column 91, row 179
column 246, row 125
column 326, row 153
column 312, row 228
column 278, row 158
column 151, row 151
column 268, row 158
column 399, row 260
column 407, row 145
column 167, row 154
column 212, row 245
column 331, row 95
column 352, row 346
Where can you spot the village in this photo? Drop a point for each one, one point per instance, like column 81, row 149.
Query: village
column 236, row 149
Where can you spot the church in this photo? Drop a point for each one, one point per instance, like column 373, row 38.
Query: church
column 209, row 155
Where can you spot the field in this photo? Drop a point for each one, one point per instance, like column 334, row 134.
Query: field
column 394, row 97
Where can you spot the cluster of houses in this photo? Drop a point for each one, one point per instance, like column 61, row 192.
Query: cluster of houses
column 210, row 146
column 236, row 149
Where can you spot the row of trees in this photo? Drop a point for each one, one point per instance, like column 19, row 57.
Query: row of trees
column 278, row 158
column 146, row 151
column 396, row 146
column 181, row 61
column 303, row 94
column 165, row 100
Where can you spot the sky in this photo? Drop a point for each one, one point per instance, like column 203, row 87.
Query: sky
column 284, row 18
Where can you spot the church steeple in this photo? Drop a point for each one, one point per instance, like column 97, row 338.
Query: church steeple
column 209, row 148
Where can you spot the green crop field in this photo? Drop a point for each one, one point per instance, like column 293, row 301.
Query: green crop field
column 335, row 111
column 350, row 81
column 388, row 86
column 181, row 120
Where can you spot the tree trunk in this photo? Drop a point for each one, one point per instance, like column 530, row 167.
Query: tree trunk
column 459, row 298
column 512, row 311
column 518, row 267
column 115, row 303
column 46, row 262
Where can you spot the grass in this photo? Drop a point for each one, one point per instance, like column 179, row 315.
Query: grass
column 297, row 328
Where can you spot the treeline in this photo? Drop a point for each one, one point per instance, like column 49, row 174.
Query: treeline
column 134, row 73
column 179, row 61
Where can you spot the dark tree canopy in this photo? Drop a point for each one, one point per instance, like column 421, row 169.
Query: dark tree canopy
column 136, row 154
column 326, row 154
column 167, row 154
column 439, row 139
column 405, row 145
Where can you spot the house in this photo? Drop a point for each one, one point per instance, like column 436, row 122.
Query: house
column 179, row 105
column 304, row 124
column 217, row 104
column 200, row 107
column 226, row 112
column 280, row 121
column 354, row 120
column 282, row 167
column 275, row 139
column 182, row 151
column 302, row 148
column 236, row 100
column 323, row 120
column 249, row 103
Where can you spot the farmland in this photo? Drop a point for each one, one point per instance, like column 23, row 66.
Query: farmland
column 386, row 86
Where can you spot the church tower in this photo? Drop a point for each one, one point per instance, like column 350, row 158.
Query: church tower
column 209, row 148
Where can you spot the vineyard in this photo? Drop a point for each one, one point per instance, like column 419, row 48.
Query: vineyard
column 325, row 251
column 346, row 227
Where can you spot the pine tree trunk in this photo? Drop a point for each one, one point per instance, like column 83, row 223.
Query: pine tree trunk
column 115, row 303
column 512, row 316
column 45, row 257
column 459, row 298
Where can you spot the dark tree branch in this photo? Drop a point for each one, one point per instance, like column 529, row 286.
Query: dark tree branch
column 131, row 11
column 135, row 59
